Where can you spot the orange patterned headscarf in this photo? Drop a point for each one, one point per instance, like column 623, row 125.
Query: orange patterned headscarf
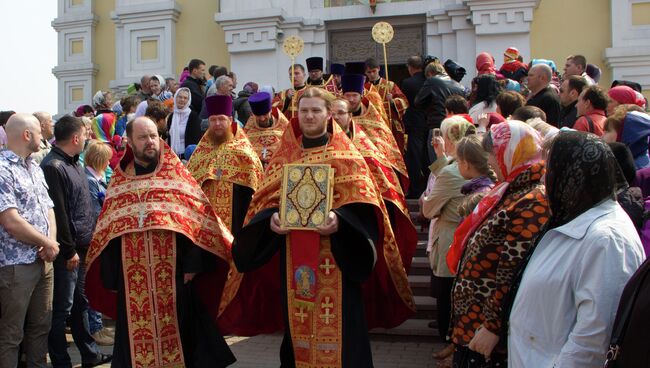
column 517, row 147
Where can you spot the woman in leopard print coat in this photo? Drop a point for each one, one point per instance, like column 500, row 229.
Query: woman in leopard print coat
column 493, row 242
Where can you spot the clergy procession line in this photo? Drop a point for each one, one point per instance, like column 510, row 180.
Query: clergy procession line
column 186, row 214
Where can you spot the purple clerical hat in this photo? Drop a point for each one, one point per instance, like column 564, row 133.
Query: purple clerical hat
column 219, row 105
column 357, row 67
column 314, row 63
column 352, row 83
column 260, row 103
column 337, row 69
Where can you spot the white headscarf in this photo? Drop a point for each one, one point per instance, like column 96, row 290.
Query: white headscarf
column 141, row 109
column 179, row 122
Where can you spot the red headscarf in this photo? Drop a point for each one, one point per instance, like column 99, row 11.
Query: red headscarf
column 626, row 95
column 485, row 64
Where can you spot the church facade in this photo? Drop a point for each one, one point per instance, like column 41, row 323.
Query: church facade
column 109, row 44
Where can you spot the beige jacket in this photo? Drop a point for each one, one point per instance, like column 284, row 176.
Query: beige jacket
column 442, row 204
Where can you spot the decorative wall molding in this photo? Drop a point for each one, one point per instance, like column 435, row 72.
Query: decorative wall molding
column 502, row 16
column 629, row 56
column 456, row 29
column 139, row 23
column 75, row 69
column 630, row 63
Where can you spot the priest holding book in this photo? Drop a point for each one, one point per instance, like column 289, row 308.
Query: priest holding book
column 336, row 260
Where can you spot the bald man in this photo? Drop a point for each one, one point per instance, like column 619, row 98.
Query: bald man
column 47, row 129
column 542, row 94
column 27, row 247
column 156, row 233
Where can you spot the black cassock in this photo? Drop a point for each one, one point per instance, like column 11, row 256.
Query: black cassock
column 203, row 344
column 353, row 248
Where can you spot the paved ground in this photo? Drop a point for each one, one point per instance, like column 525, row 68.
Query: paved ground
column 263, row 351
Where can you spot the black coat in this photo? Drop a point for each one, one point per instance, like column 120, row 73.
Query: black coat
column 196, row 89
column 412, row 85
column 414, row 117
column 242, row 107
column 568, row 115
column 549, row 102
column 432, row 96
column 193, row 131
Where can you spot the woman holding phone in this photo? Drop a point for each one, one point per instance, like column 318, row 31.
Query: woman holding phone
column 440, row 204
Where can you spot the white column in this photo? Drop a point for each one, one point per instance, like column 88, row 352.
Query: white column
column 75, row 26
column 145, row 39
column 629, row 56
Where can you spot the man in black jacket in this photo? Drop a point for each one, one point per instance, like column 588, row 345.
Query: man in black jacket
column 68, row 189
column 570, row 90
column 542, row 95
column 195, row 83
column 415, row 123
column 430, row 99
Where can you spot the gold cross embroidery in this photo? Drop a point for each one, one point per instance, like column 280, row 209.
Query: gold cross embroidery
column 327, row 303
column 302, row 315
column 327, row 266
column 327, row 316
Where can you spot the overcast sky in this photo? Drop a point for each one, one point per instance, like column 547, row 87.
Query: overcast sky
column 29, row 52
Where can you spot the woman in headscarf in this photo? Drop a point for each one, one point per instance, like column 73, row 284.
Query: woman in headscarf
column 564, row 309
column 157, row 86
column 104, row 124
column 631, row 127
column 624, row 95
column 485, row 64
column 492, row 241
column 183, row 125
column 440, row 204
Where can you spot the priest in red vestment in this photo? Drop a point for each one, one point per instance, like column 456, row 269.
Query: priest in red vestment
column 286, row 100
column 156, row 237
column 326, row 305
column 394, row 101
column 265, row 127
column 368, row 117
column 385, row 178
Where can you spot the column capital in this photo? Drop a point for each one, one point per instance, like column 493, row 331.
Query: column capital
column 501, row 16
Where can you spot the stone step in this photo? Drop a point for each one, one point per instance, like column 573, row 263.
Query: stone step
column 411, row 327
column 420, row 266
column 413, row 205
column 421, row 248
column 420, row 284
column 426, row 307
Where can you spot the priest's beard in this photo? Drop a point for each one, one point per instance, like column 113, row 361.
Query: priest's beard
column 219, row 139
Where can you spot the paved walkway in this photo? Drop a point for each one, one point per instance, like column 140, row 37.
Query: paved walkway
column 263, row 351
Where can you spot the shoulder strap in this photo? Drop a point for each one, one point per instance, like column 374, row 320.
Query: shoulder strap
column 624, row 319
column 591, row 124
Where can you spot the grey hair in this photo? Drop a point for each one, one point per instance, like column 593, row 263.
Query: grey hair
column 221, row 80
column 545, row 70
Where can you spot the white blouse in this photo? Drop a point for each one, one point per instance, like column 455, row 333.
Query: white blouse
column 565, row 307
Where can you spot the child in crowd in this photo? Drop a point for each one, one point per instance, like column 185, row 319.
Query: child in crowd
column 473, row 166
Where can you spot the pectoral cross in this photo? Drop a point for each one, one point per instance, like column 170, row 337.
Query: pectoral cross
column 219, row 173
column 264, row 153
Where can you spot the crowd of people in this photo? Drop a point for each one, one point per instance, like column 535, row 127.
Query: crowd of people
column 161, row 210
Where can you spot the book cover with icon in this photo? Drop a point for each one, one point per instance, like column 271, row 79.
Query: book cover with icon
column 306, row 195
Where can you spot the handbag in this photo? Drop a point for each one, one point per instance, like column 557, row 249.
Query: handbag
column 624, row 317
